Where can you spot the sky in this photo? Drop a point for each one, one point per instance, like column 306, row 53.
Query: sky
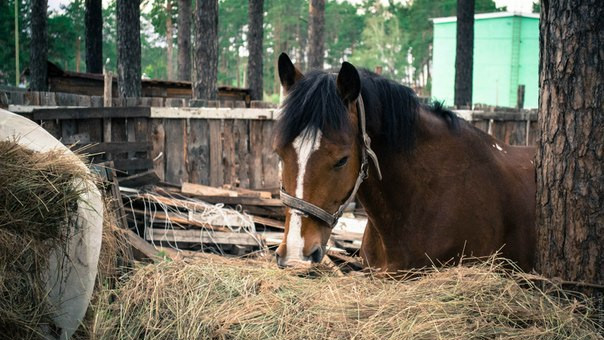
column 524, row 6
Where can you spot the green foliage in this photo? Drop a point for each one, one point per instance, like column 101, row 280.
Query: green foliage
column 64, row 32
column 383, row 43
column 396, row 35
column 7, row 39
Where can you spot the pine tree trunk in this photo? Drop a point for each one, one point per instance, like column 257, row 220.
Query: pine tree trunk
column 206, row 50
column 464, row 53
column 570, row 154
column 316, row 33
column 254, row 69
column 169, row 62
column 94, row 36
column 38, row 78
column 184, row 39
column 128, row 48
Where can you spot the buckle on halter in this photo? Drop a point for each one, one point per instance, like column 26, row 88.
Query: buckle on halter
column 367, row 140
column 364, row 171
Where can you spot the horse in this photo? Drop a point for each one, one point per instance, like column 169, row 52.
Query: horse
column 433, row 186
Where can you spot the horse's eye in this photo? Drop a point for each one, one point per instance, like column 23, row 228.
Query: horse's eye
column 341, row 162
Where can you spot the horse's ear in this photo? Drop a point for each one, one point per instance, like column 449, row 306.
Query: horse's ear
column 288, row 73
column 349, row 82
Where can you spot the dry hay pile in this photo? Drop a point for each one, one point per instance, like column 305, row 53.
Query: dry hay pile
column 38, row 204
column 218, row 298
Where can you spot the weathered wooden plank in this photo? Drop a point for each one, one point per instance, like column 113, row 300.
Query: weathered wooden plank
column 204, row 190
column 158, row 139
column 506, row 115
column 216, row 165
column 115, row 147
column 118, row 134
column 129, row 165
column 91, row 112
column 143, row 178
column 269, row 222
column 270, row 160
column 198, row 153
column 142, row 133
column 53, row 127
column 243, row 192
column 228, row 153
column 242, row 151
column 255, row 160
column 211, row 113
column 201, row 236
column 176, row 151
column 273, row 202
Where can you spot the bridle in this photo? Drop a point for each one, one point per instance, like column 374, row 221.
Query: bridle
column 307, row 208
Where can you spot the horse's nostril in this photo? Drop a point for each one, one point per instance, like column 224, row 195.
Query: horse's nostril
column 317, row 255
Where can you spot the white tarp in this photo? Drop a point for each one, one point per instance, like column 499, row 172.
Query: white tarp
column 71, row 276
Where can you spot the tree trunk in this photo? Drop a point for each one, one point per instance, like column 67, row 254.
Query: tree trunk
column 570, row 153
column 316, row 33
column 169, row 63
column 184, row 39
column 254, row 69
column 464, row 53
column 38, row 69
column 94, row 36
column 128, row 48
column 206, row 50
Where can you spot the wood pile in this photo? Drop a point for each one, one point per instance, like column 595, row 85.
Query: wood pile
column 225, row 220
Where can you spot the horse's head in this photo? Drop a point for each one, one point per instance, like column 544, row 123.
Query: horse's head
column 318, row 141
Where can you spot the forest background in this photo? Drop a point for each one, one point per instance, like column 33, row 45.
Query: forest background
column 392, row 35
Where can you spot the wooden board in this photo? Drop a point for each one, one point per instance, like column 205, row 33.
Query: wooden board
column 211, row 113
column 228, row 153
column 144, row 178
column 216, row 165
column 91, row 112
column 255, row 160
column 242, row 153
column 242, row 200
column 129, row 165
column 114, row 147
column 158, row 139
column 201, row 236
column 198, row 151
column 204, row 190
column 175, row 151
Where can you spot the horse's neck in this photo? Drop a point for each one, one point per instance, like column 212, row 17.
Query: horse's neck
column 437, row 150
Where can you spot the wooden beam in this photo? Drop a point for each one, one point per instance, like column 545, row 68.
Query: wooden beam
column 211, row 113
column 204, row 190
column 113, row 147
column 269, row 222
column 201, row 236
column 91, row 112
column 180, row 219
column 133, row 164
column 273, row 202
column 144, row 178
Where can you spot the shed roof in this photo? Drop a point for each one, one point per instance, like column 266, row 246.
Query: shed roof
column 489, row 16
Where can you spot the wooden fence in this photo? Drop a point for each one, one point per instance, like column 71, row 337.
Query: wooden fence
column 212, row 146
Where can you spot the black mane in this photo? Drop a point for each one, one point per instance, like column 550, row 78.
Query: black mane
column 391, row 109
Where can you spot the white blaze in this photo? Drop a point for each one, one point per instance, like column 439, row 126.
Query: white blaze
column 304, row 148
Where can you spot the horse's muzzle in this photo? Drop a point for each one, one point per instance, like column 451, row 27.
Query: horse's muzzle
column 315, row 257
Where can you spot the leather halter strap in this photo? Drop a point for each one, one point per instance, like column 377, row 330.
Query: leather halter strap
column 307, row 208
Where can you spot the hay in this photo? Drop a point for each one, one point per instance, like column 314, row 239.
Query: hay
column 38, row 204
column 218, row 298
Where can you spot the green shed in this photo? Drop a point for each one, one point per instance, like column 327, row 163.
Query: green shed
column 506, row 55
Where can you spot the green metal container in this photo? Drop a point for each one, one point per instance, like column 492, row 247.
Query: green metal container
column 506, row 55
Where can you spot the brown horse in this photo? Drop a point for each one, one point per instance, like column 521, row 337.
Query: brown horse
column 445, row 187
